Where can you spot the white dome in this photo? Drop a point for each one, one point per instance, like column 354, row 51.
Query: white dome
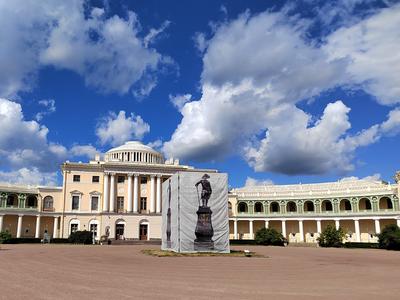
column 134, row 151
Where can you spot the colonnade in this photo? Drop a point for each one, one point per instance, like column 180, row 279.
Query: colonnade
column 37, row 225
column 301, row 227
column 133, row 205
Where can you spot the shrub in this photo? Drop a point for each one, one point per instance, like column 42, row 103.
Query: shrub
column 331, row 237
column 361, row 245
column 389, row 238
column 5, row 236
column 80, row 237
column 269, row 236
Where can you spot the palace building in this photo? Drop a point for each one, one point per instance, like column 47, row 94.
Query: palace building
column 120, row 197
column 301, row 211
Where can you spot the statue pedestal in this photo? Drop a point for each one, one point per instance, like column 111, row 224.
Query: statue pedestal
column 204, row 230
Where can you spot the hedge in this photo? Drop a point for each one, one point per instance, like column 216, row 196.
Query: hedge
column 361, row 245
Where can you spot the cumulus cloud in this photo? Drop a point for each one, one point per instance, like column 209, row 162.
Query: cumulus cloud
column 115, row 129
column 370, row 45
column 107, row 52
column 25, row 150
column 180, row 100
column 29, row 176
column 84, row 150
column 269, row 64
column 24, row 143
column 257, row 182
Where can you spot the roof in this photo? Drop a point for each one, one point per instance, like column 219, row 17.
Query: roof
column 133, row 146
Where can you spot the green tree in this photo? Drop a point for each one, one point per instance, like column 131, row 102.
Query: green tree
column 269, row 236
column 389, row 238
column 5, row 236
column 331, row 237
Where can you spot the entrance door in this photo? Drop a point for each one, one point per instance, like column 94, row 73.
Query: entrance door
column 119, row 231
column 143, row 232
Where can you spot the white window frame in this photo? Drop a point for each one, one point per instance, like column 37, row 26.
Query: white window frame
column 79, row 194
column 74, row 222
column 98, row 195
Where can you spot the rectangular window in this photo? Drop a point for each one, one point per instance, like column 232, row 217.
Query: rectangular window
column 95, row 203
column 121, row 179
column 74, row 228
column 143, row 203
column 120, row 204
column 95, row 179
column 77, row 178
column 143, row 180
column 75, row 202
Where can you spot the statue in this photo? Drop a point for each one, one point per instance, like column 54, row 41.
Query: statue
column 397, row 177
column 169, row 215
column 204, row 230
column 206, row 190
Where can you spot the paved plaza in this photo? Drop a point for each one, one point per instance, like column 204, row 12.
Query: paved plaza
column 123, row 272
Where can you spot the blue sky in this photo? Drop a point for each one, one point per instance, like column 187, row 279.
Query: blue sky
column 288, row 92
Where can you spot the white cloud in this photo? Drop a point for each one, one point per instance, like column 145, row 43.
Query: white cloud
column 29, row 176
column 152, row 35
column 116, row 129
column 25, row 151
column 371, row 47
column 200, row 42
column 267, row 67
column 84, row 150
column 24, row 143
column 257, row 182
column 107, row 52
column 180, row 100
column 374, row 177
column 50, row 107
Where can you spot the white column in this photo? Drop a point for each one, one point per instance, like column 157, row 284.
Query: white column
column 301, row 231
column 158, row 206
column 152, row 194
column 130, row 204
column 357, row 227
column 319, row 230
column 377, row 226
column 136, row 193
column 19, row 226
column 284, row 228
column 235, row 233
column 105, row 193
column 37, row 231
column 112, row 192
column 398, row 222
column 55, row 228
column 1, row 223
column 266, row 223
column 251, row 229
column 337, row 224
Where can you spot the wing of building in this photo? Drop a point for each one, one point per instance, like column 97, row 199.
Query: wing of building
column 302, row 211
column 119, row 197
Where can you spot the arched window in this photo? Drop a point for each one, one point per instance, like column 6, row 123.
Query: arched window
column 242, row 207
column 274, row 207
column 345, row 205
column 308, row 206
column 385, row 203
column 364, row 204
column 31, row 201
column 48, row 203
column 291, row 207
column 12, row 200
column 326, row 205
column 258, row 207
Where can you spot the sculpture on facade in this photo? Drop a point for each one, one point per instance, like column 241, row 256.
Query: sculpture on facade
column 204, row 230
column 397, row 177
